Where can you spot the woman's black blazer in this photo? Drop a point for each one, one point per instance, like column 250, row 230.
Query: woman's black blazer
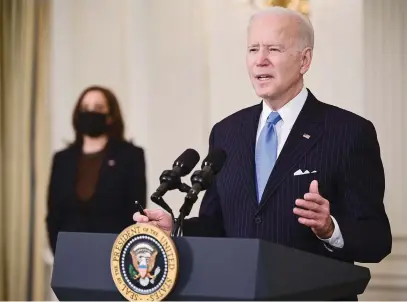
column 122, row 181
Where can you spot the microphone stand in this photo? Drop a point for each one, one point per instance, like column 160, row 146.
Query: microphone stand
column 184, row 211
column 205, row 180
column 184, row 188
column 161, row 202
column 177, row 226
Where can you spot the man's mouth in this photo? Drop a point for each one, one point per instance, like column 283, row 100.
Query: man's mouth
column 263, row 77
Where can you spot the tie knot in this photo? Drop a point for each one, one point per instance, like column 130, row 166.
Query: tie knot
column 274, row 118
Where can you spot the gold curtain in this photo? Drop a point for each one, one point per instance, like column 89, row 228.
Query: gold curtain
column 24, row 149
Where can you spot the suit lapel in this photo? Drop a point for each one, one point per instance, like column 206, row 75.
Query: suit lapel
column 70, row 170
column 248, row 132
column 306, row 131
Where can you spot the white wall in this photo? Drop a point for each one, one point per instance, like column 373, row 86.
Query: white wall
column 385, row 62
column 336, row 73
column 178, row 67
column 87, row 48
column 229, row 85
column 152, row 54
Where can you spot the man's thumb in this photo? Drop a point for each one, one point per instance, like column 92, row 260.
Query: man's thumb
column 313, row 188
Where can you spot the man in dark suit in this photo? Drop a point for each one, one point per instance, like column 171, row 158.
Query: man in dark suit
column 298, row 172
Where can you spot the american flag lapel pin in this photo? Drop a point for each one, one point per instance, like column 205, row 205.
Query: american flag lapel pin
column 307, row 136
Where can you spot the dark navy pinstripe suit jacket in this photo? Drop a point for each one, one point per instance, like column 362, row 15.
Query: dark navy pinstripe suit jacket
column 342, row 148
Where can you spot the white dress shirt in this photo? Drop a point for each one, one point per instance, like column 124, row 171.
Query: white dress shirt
column 289, row 113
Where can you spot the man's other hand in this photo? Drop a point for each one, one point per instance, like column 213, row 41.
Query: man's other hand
column 314, row 211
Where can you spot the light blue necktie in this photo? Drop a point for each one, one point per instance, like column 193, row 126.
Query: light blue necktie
column 266, row 152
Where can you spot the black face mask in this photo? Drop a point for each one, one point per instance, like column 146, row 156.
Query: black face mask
column 92, row 123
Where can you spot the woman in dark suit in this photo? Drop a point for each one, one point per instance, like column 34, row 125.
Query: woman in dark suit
column 95, row 182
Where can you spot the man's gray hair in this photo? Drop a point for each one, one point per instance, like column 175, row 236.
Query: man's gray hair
column 306, row 31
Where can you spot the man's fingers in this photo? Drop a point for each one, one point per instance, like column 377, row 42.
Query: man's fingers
column 154, row 214
column 306, row 213
column 309, row 205
column 155, row 223
column 315, row 197
column 140, row 218
column 308, row 222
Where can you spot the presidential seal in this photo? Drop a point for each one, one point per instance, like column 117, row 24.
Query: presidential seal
column 144, row 263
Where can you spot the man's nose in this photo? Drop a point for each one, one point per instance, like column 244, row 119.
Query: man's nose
column 262, row 58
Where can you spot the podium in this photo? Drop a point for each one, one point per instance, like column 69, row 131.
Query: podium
column 210, row 269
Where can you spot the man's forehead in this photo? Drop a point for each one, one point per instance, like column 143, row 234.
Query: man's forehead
column 268, row 35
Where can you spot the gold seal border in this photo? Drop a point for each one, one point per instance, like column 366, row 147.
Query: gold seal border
column 172, row 261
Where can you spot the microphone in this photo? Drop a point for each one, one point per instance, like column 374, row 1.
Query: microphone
column 171, row 179
column 202, row 179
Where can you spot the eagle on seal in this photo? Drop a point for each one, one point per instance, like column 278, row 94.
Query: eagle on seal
column 143, row 259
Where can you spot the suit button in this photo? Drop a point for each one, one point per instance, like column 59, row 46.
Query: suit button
column 257, row 219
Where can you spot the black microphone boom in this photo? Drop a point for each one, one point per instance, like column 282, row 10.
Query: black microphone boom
column 171, row 179
column 201, row 180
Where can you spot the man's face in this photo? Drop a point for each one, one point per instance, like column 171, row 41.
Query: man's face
column 273, row 59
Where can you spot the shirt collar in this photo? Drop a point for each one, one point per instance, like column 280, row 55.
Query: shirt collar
column 290, row 111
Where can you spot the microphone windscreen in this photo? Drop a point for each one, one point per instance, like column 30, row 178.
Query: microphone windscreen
column 187, row 161
column 215, row 159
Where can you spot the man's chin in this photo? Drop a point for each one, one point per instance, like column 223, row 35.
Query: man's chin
column 264, row 94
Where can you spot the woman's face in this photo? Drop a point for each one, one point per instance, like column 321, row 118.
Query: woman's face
column 94, row 101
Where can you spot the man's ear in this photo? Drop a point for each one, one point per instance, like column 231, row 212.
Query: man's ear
column 306, row 58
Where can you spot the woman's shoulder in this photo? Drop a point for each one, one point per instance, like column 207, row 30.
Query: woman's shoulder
column 125, row 148
column 128, row 147
column 65, row 152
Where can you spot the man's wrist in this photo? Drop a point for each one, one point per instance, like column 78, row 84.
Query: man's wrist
column 335, row 240
column 330, row 230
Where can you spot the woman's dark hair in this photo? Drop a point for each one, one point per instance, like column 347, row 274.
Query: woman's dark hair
column 116, row 129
